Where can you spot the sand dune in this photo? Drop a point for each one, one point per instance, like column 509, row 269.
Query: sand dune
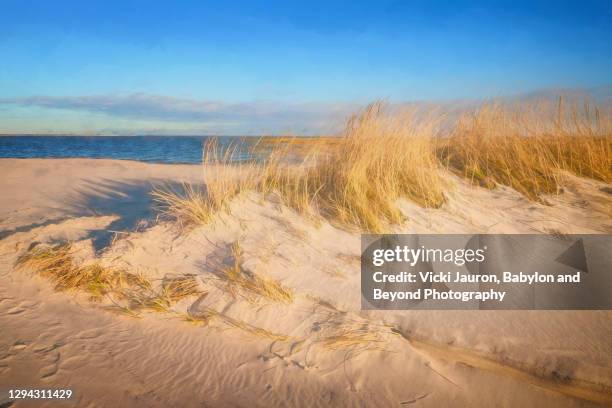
column 319, row 349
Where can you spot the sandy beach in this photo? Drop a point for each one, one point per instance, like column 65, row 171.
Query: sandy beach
column 262, row 353
column 368, row 204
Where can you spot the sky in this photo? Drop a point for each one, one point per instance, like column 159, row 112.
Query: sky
column 280, row 67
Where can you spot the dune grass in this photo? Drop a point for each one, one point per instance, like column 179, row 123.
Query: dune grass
column 133, row 293
column 190, row 206
column 340, row 331
column 172, row 290
column 250, row 285
column 354, row 337
column 355, row 180
column 528, row 147
column 223, row 180
column 136, row 293
column 180, row 287
column 379, row 158
column 57, row 264
column 382, row 156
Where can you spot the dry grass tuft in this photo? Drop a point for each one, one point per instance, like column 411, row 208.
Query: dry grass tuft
column 352, row 338
column 180, row 287
column 528, row 147
column 57, row 264
column 172, row 290
column 341, row 332
column 197, row 319
column 190, row 206
column 379, row 158
column 208, row 314
column 224, row 180
column 245, row 283
column 134, row 289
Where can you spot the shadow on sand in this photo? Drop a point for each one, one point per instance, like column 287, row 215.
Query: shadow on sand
column 130, row 201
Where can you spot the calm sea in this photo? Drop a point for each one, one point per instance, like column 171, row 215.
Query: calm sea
column 157, row 149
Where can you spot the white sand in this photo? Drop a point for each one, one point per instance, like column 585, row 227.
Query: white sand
column 459, row 358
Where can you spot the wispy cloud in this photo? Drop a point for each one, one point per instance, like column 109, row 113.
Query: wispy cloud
column 309, row 117
column 141, row 113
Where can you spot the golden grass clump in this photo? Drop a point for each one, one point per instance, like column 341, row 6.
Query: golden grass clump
column 223, row 180
column 528, row 147
column 352, row 338
column 180, row 287
column 379, row 158
column 190, row 206
column 172, row 290
column 57, row 264
column 339, row 331
column 248, row 283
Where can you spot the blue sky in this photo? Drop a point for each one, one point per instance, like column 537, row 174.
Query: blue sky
column 129, row 67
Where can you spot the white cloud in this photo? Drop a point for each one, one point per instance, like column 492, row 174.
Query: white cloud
column 260, row 117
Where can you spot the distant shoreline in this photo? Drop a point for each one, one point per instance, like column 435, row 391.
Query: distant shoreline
column 154, row 135
column 96, row 159
column 148, row 149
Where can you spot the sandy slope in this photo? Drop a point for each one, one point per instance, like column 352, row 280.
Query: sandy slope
column 416, row 358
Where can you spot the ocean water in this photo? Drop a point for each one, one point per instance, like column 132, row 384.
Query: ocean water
column 155, row 149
